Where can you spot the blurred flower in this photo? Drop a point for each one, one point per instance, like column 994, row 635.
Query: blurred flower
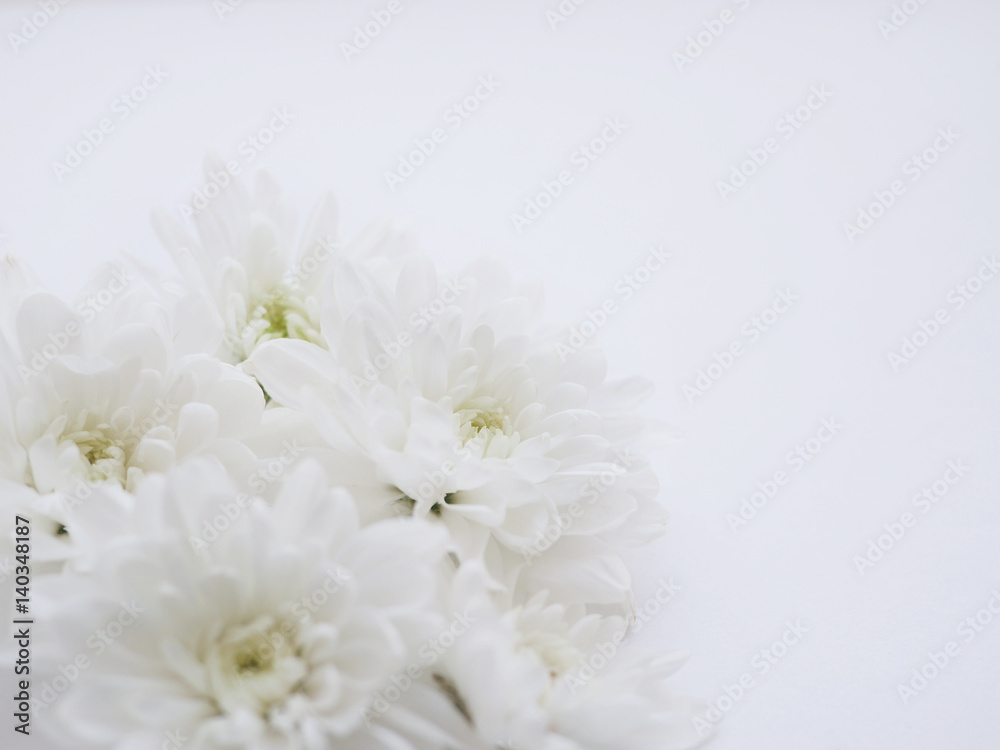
column 105, row 390
column 275, row 635
column 260, row 280
column 539, row 679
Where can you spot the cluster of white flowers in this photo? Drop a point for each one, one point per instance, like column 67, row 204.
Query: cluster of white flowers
column 309, row 493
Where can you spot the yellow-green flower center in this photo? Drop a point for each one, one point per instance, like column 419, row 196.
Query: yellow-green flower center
column 283, row 313
column 104, row 450
column 255, row 665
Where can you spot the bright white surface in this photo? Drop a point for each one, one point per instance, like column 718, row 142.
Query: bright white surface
column 685, row 129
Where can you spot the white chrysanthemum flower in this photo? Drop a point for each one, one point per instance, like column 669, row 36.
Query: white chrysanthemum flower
column 105, row 390
column 537, row 678
column 246, row 260
column 276, row 635
column 263, row 282
column 195, row 615
column 445, row 399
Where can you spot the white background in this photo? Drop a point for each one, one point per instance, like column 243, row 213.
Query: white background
column 658, row 183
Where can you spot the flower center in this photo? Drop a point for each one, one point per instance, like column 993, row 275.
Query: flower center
column 554, row 650
column 104, row 451
column 254, row 665
column 282, row 314
column 483, row 421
